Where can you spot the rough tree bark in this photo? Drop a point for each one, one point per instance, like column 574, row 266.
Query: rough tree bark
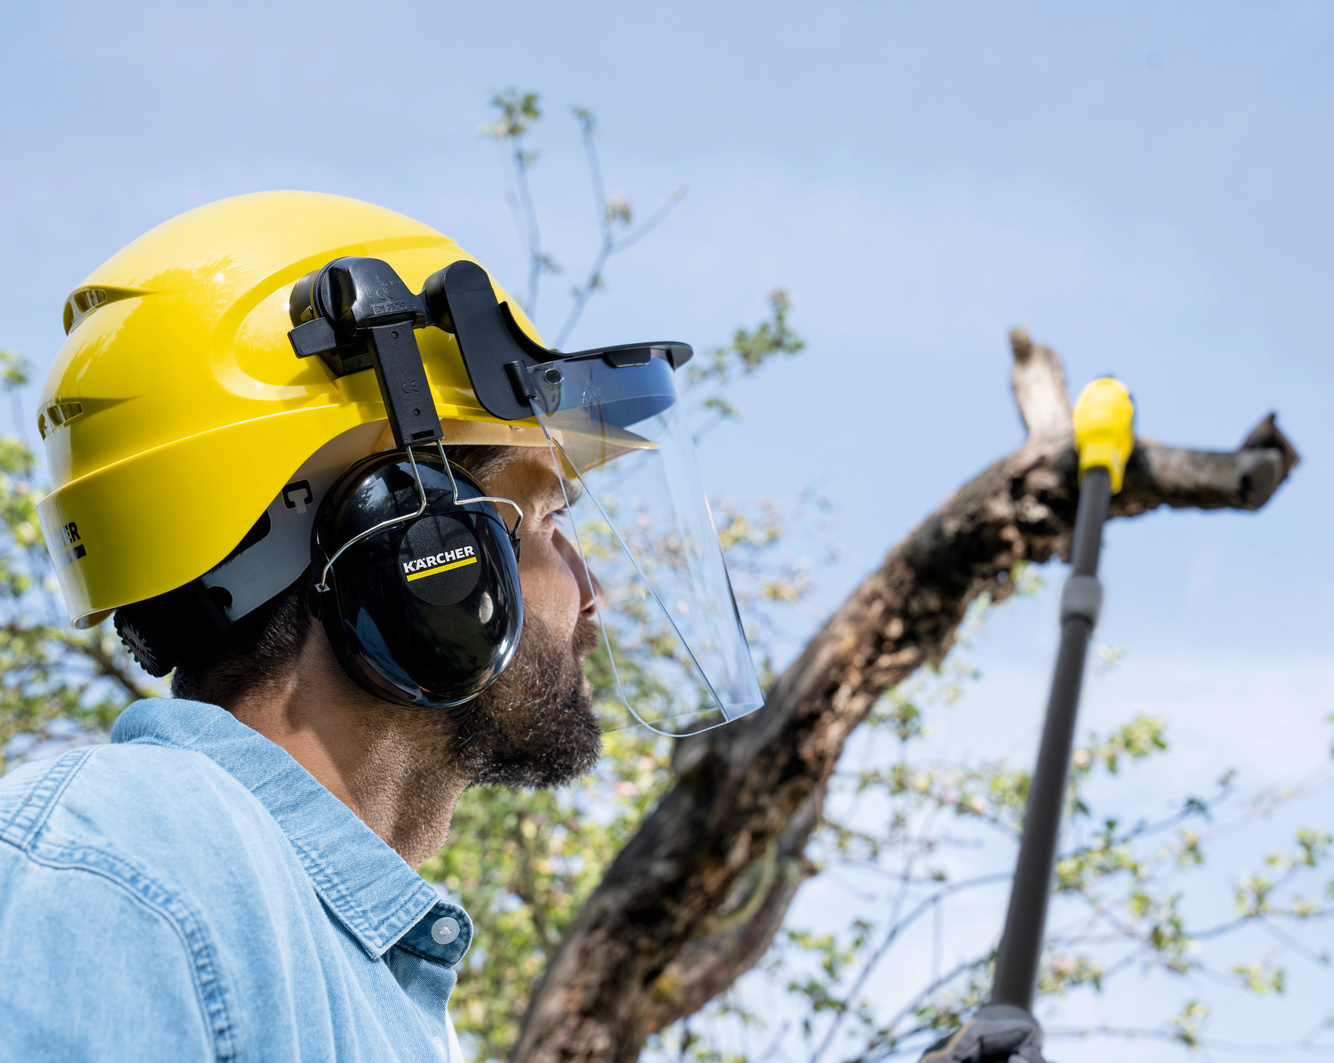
column 695, row 898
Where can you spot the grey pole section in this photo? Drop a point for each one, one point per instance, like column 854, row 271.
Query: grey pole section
column 1021, row 942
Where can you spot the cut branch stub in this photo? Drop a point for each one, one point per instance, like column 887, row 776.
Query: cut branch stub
column 649, row 946
column 1038, row 381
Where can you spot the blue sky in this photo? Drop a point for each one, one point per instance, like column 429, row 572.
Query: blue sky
column 1145, row 187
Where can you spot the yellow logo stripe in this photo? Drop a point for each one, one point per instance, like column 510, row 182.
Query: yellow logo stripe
column 441, row 568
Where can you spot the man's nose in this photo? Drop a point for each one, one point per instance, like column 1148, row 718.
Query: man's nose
column 590, row 589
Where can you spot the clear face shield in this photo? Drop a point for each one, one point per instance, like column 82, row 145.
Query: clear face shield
column 676, row 653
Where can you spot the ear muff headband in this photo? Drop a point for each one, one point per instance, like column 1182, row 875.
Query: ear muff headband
column 422, row 603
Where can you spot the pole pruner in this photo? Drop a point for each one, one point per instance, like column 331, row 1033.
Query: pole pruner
column 1004, row 1029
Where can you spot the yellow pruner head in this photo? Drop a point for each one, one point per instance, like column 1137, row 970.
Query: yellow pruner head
column 1104, row 421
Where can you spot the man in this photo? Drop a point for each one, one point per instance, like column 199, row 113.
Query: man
column 304, row 525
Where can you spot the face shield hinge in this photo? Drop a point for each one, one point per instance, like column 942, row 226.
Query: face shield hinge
column 522, row 383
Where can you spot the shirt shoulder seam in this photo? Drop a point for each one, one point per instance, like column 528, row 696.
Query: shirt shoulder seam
column 36, row 806
column 210, row 990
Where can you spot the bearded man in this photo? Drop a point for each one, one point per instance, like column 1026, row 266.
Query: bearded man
column 337, row 513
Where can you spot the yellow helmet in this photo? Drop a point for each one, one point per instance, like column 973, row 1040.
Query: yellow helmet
column 177, row 414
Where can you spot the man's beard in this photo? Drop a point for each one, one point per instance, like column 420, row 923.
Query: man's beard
column 535, row 725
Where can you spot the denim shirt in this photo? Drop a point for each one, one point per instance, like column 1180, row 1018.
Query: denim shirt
column 190, row 892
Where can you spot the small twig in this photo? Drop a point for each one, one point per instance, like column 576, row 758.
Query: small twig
column 609, row 244
column 1278, row 933
column 936, row 985
column 772, row 1047
column 897, row 926
column 654, row 220
column 520, row 163
column 937, row 937
column 512, row 200
column 1131, row 1033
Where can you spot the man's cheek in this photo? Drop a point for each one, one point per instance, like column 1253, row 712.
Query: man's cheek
column 551, row 592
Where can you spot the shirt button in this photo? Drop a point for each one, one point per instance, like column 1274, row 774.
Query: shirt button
column 445, row 930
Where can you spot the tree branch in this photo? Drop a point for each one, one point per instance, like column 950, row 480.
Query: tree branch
column 712, row 962
column 743, row 789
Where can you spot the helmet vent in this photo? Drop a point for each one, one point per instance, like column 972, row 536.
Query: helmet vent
column 57, row 414
column 83, row 301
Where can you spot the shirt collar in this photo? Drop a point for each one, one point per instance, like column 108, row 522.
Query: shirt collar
column 368, row 886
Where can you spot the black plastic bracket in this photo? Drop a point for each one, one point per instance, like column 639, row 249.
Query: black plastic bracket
column 498, row 353
column 461, row 294
column 356, row 313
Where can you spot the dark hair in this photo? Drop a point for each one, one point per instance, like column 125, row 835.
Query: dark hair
column 255, row 650
column 264, row 644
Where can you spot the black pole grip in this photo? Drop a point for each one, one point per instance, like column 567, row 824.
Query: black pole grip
column 1021, row 943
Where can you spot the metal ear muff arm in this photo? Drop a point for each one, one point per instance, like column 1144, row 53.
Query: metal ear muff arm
column 360, row 537
column 421, row 509
column 454, row 488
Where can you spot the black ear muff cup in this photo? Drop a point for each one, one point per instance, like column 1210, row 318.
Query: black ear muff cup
column 425, row 611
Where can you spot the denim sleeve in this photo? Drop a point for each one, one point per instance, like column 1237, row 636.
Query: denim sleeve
column 97, row 966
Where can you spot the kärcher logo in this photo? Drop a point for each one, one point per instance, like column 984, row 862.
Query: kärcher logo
column 442, row 562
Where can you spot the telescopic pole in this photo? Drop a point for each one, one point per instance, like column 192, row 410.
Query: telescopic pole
column 1005, row 1029
column 1021, row 943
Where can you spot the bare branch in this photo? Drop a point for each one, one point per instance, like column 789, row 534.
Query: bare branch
column 654, row 220
column 536, row 259
column 517, row 113
column 896, row 927
column 1038, row 381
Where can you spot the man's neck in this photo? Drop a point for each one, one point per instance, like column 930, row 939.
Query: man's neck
column 390, row 764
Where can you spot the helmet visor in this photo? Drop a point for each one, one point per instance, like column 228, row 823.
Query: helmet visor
column 676, row 654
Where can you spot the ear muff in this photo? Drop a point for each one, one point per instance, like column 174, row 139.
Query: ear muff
column 425, row 611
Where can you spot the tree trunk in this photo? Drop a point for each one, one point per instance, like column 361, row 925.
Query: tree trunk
column 695, row 898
